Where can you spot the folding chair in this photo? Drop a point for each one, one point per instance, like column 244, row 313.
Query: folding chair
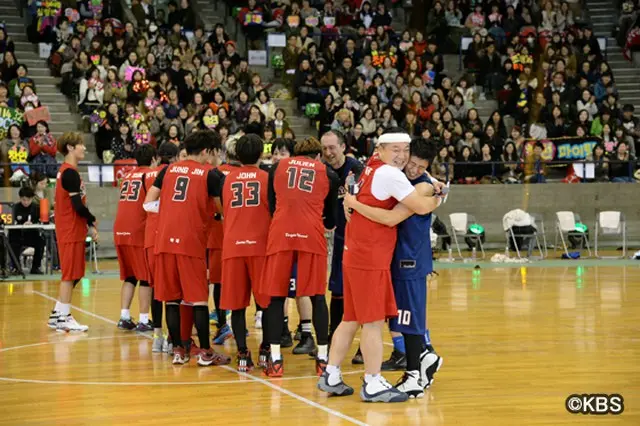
column 566, row 223
column 611, row 223
column 459, row 224
column 538, row 229
column 538, row 222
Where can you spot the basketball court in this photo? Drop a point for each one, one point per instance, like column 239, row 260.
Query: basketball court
column 516, row 342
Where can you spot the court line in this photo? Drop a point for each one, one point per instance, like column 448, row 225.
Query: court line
column 248, row 376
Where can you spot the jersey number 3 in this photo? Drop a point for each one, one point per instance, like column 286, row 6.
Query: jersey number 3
column 239, row 200
column 130, row 190
column 303, row 180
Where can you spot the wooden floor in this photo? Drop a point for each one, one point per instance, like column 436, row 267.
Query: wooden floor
column 515, row 341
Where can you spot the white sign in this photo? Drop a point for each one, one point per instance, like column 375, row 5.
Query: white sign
column 258, row 57
column 277, row 40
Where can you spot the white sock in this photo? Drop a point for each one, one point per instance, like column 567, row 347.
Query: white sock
column 144, row 318
column 334, row 375
column 157, row 333
column 57, row 307
column 65, row 309
column 125, row 314
column 275, row 353
column 323, row 352
column 368, row 378
column 306, row 327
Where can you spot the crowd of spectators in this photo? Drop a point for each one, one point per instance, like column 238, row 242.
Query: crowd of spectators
column 24, row 147
column 352, row 67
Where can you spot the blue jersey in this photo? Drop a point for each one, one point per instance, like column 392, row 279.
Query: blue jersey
column 412, row 258
column 350, row 165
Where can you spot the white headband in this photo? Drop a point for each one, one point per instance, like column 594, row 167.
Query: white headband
column 394, row 138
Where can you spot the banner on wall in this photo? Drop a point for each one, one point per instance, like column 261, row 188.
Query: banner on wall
column 9, row 116
column 563, row 149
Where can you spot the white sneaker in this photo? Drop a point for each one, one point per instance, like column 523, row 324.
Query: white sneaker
column 411, row 385
column 158, row 343
column 430, row 363
column 53, row 320
column 258, row 323
column 69, row 324
column 379, row 390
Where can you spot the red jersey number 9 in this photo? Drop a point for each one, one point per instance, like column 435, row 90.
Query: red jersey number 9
column 239, row 199
column 180, row 188
column 303, row 181
column 130, row 190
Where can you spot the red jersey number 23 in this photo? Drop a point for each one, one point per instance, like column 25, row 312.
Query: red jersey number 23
column 301, row 178
column 130, row 190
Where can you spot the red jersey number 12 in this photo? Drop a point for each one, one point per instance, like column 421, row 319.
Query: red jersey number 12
column 303, row 181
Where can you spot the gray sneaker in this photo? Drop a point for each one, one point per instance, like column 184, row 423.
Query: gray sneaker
column 158, row 342
column 388, row 394
column 167, row 347
column 340, row 389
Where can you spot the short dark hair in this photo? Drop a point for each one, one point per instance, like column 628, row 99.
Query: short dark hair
column 145, row 154
column 167, row 152
column 280, row 143
column 249, row 149
column 338, row 134
column 202, row 140
column 423, row 149
column 26, row 192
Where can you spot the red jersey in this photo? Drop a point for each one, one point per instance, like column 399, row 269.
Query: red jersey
column 246, row 212
column 369, row 245
column 187, row 189
column 301, row 191
column 214, row 241
column 70, row 226
column 129, row 226
column 151, row 224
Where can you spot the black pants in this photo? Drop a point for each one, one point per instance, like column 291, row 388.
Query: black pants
column 20, row 239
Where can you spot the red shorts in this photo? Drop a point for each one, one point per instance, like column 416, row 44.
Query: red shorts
column 133, row 263
column 215, row 265
column 180, row 277
column 368, row 295
column 150, row 258
column 312, row 273
column 241, row 275
column 72, row 260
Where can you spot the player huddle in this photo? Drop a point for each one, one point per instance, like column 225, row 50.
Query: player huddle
column 184, row 224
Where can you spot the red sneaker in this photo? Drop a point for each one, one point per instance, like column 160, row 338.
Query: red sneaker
column 274, row 368
column 194, row 350
column 321, row 366
column 244, row 361
column 210, row 357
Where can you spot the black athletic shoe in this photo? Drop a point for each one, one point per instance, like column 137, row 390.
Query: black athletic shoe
column 298, row 334
column 126, row 324
column 305, row 346
column 285, row 340
column 396, row 362
column 263, row 358
column 357, row 358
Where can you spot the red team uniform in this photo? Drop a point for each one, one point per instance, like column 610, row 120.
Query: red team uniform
column 214, row 242
column 302, row 191
column 246, row 229
column 187, row 189
column 71, row 229
column 151, row 226
column 129, row 226
column 368, row 250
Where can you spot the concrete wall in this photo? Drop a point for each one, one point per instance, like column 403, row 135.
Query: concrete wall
column 488, row 203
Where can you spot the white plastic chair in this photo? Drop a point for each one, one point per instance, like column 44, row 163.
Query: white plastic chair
column 611, row 223
column 539, row 230
column 459, row 224
column 566, row 223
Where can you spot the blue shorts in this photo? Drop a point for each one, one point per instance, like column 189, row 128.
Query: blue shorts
column 293, row 281
column 411, row 299
column 335, row 279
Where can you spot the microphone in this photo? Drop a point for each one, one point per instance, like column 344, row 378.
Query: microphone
column 350, row 183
